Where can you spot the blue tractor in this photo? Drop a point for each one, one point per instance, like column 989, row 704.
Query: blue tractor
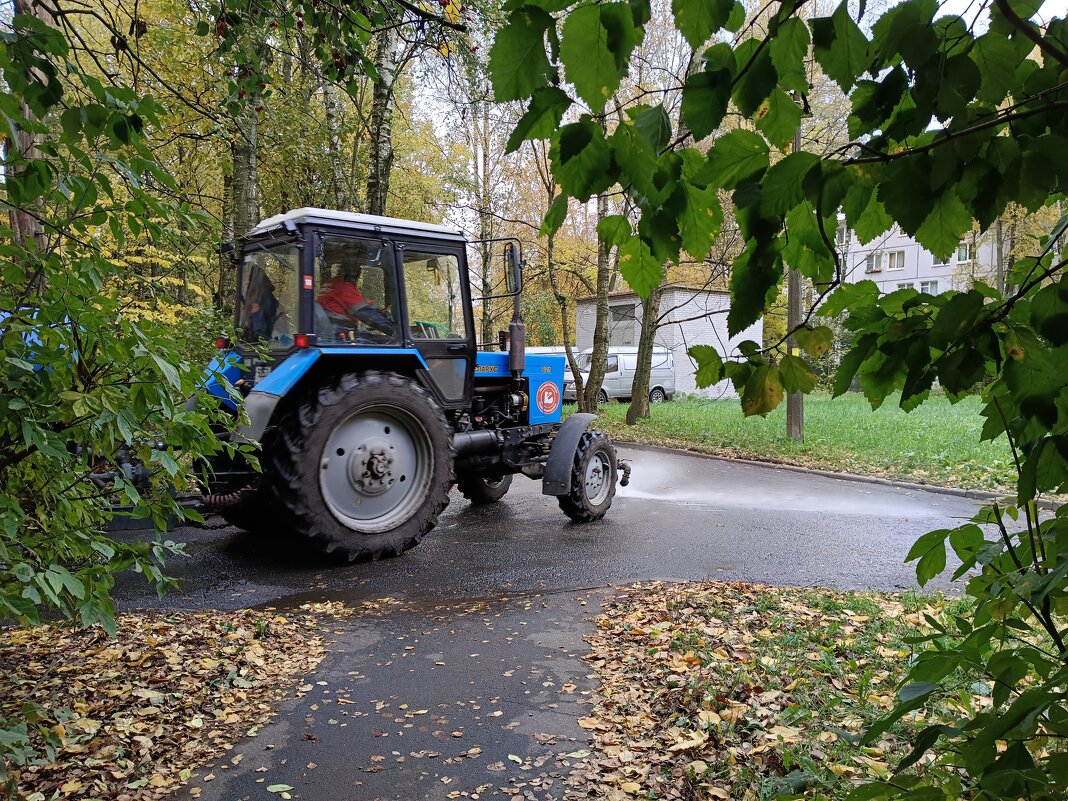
column 362, row 381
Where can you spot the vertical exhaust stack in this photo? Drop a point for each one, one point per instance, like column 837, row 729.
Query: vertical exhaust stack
column 517, row 331
column 517, row 345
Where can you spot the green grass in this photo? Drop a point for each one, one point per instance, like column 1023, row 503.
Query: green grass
column 938, row 443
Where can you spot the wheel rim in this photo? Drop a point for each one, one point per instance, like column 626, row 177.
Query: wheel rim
column 598, row 479
column 375, row 469
column 657, row 396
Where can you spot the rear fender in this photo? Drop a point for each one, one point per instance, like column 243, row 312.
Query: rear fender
column 557, row 480
column 292, row 376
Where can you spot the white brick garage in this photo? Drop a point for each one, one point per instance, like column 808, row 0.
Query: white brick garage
column 691, row 316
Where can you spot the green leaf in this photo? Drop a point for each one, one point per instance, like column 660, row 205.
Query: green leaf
column 614, row 230
column 756, row 78
column 652, row 123
column 735, row 156
column 850, row 296
column 595, row 47
column 543, row 115
column 639, row 269
column 783, row 183
column 697, row 20
column 920, row 689
column 778, row 117
column 709, row 365
column 518, row 64
column 789, row 51
column 797, row 376
column 840, row 47
column 930, row 549
column 945, row 225
column 581, row 159
column 704, row 102
column 555, row 216
column 700, row 222
column 763, row 391
column 814, row 341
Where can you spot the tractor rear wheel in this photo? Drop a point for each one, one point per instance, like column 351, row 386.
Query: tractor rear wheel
column 482, row 489
column 363, row 467
column 593, row 479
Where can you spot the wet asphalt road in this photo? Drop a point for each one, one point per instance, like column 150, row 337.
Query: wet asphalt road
column 682, row 517
column 472, row 687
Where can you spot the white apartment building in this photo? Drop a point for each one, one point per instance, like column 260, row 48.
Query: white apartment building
column 895, row 261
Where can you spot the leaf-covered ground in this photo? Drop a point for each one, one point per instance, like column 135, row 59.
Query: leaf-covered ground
column 128, row 717
column 740, row 691
column 937, row 444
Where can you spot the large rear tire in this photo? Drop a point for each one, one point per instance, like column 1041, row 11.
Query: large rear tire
column 593, row 479
column 362, row 467
column 482, row 489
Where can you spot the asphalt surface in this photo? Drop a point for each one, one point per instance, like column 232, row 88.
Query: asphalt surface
column 472, row 685
column 682, row 517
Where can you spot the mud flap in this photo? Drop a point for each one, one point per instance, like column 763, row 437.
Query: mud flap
column 557, row 480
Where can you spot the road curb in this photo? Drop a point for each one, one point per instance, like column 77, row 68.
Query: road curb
column 981, row 495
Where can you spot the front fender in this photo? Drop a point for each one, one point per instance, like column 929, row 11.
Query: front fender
column 557, row 480
column 261, row 402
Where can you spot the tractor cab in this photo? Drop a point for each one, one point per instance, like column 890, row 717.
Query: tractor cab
column 360, row 378
column 354, row 285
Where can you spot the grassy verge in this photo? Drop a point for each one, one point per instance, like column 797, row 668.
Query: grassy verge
column 737, row 691
column 937, row 443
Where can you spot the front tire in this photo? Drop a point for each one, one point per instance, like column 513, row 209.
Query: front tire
column 362, row 467
column 593, row 479
column 482, row 489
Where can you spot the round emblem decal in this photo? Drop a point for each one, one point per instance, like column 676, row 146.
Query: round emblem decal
column 548, row 397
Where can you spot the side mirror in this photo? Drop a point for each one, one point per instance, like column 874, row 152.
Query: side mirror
column 513, row 268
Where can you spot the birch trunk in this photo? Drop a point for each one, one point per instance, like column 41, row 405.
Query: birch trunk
column 599, row 358
column 380, row 159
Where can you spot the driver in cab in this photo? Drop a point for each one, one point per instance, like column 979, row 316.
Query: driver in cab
column 344, row 303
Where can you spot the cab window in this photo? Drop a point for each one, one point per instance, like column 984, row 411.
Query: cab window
column 269, row 299
column 613, row 364
column 435, row 305
column 355, row 296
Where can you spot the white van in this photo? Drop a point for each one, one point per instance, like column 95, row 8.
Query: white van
column 619, row 374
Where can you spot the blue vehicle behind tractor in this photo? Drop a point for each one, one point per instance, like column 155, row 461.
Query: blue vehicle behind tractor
column 359, row 373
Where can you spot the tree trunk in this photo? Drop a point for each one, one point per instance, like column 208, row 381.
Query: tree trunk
column 599, row 357
column 244, row 151
column 28, row 231
column 639, row 392
column 227, row 291
column 380, row 161
column 565, row 313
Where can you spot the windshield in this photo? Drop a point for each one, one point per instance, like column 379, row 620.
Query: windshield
column 268, row 296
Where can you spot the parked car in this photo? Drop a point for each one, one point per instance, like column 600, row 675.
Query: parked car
column 619, row 375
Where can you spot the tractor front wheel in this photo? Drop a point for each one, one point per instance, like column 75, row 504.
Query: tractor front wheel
column 363, row 467
column 482, row 490
column 593, row 479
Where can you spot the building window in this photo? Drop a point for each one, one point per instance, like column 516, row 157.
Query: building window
column 622, row 322
column 939, row 262
column 929, row 287
column 874, row 263
column 896, row 260
column 843, row 235
column 964, row 253
column 906, row 285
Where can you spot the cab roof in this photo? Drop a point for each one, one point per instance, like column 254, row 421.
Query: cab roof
column 349, row 219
